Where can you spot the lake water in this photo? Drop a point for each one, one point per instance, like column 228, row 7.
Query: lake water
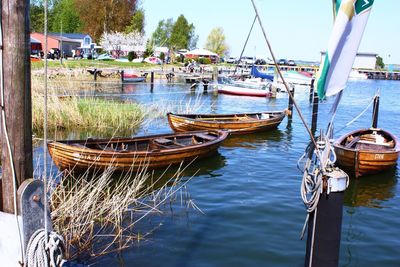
column 249, row 192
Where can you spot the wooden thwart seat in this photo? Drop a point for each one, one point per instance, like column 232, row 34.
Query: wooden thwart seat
column 205, row 136
column 163, row 141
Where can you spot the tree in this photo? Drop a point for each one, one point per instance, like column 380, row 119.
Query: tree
column 118, row 41
column 182, row 34
column 36, row 16
column 105, row 16
column 137, row 22
column 379, row 63
column 216, row 42
column 65, row 13
column 161, row 36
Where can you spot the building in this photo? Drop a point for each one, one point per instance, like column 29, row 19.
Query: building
column 366, row 61
column 202, row 53
column 66, row 42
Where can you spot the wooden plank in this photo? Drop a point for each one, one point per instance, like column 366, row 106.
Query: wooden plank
column 205, row 136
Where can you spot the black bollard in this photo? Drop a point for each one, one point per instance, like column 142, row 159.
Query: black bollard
column 323, row 239
column 95, row 74
column 151, row 81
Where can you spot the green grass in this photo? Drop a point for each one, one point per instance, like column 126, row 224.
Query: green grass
column 85, row 113
column 85, row 63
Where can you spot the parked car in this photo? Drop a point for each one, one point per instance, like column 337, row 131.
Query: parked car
column 260, row 61
column 248, row 60
column 291, row 62
column 231, row 60
column 282, row 62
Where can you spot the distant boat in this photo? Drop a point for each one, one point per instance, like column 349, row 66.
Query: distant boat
column 295, row 78
column 129, row 76
column 243, row 91
column 130, row 154
column 258, row 74
column 356, row 75
column 237, row 123
column 367, row 151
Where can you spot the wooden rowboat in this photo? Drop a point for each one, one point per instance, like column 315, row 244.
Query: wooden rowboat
column 367, row 151
column 130, row 154
column 234, row 123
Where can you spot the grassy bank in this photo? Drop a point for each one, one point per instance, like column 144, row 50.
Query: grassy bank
column 73, row 112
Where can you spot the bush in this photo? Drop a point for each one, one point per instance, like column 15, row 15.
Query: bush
column 203, row 60
column 162, row 56
column 186, row 61
column 131, row 55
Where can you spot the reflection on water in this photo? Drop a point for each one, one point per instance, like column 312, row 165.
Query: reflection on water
column 371, row 191
column 254, row 140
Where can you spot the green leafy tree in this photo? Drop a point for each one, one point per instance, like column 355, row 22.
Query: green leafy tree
column 161, row 36
column 216, row 42
column 182, row 34
column 105, row 16
column 137, row 22
column 65, row 13
column 36, row 16
column 379, row 63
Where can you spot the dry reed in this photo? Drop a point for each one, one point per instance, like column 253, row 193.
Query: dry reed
column 99, row 215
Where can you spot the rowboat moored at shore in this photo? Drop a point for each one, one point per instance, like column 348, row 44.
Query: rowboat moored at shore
column 367, row 151
column 130, row 154
column 234, row 123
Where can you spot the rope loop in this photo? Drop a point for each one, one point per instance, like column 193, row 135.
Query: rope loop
column 38, row 254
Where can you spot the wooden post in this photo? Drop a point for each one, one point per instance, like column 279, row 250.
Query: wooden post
column 290, row 104
column 95, row 74
column 151, row 81
column 17, row 97
column 122, row 76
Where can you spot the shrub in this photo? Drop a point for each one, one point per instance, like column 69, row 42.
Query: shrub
column 131, row 55
column 162, row 56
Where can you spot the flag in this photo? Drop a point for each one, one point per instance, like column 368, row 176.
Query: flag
column 350, row 22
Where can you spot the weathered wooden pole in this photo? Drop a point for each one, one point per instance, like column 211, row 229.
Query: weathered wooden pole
column 17, row 97
column 291, row 101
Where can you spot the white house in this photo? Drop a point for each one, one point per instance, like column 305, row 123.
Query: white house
column 363, row 60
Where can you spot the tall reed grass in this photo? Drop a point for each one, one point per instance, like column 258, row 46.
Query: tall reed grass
column 98, row 214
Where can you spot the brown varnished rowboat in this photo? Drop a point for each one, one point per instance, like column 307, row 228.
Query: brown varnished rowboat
column 367, row 151
column 130, row 154
column 234, row 123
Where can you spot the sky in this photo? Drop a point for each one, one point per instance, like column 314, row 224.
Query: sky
column 296, row 29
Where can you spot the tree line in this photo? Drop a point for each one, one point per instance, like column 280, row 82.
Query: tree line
column 124, row 16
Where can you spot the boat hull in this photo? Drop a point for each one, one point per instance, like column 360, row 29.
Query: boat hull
column 241, row 91
column 234, row 123
column 87, row 155
column 366, row 160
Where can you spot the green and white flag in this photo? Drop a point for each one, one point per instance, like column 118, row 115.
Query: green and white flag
column 351, row 19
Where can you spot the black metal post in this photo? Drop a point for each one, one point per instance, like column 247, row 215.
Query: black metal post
column 311, row 89
column 314, row 119
column 323, row 238
column 375, row 112
column 122, row 75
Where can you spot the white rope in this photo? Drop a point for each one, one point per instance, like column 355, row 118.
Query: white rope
column 43, row 253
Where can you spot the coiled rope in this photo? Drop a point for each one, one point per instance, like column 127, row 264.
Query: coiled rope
column 42, row 252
